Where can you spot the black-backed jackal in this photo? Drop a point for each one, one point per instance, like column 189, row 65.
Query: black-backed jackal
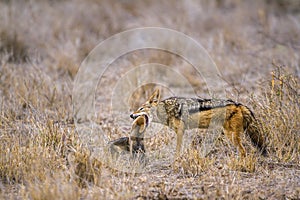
column 187, row 113
column 134, row 143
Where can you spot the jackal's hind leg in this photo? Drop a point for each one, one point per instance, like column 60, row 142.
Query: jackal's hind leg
column 233, row 129
column 234, row 137
column 237, row 142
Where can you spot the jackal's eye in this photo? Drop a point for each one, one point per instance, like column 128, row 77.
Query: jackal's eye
column 141, row 108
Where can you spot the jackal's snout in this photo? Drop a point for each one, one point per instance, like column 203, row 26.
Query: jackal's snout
column 132, row 116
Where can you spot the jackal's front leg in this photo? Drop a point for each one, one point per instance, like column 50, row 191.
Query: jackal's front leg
column 178, row 126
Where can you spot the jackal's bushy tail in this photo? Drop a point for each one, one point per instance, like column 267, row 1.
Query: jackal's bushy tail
column 253, row 130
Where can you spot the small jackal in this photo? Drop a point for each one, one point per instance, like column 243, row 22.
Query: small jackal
column 134, row 143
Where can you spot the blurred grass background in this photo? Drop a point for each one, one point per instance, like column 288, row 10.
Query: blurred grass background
column 255, row 44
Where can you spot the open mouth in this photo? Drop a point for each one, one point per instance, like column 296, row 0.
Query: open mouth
column 134, row 116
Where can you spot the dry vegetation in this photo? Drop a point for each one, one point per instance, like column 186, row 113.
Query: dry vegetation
column 42, row 43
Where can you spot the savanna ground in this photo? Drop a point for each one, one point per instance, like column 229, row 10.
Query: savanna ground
column 255, row 44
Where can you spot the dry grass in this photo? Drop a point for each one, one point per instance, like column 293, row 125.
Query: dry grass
column 42, row 43
column 280, row 113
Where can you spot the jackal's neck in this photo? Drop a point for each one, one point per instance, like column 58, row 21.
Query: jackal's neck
column 159, row 114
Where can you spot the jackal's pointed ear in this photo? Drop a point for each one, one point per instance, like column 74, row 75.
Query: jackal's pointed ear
column 155, row 97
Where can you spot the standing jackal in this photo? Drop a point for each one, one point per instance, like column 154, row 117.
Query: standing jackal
column 187, row 113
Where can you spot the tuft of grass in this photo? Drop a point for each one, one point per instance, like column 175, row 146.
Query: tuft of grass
column 15, row 48
column 279, row 111
column 247, row 164
column 67, row 65
column 192, row 164
column 87, row 170
column 21, row 163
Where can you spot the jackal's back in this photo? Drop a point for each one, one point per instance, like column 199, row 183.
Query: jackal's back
column 180, row 107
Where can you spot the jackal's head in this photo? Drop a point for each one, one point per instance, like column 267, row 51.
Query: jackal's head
column 146, row 108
